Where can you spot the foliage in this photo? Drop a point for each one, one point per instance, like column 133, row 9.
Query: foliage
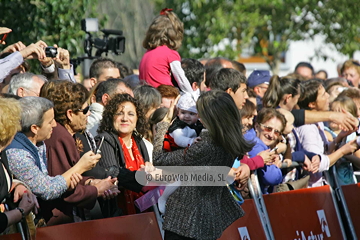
column 341, row 24
column 209, row 22
column 132, row 17
column 263, row 27
column 53, row 21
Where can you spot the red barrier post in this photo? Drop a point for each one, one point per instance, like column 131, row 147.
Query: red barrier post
column 352, row 197
column 303, row 214
column 245, row 228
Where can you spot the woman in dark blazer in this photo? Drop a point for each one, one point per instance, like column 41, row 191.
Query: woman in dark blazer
column 204, row 212
column 63, row 152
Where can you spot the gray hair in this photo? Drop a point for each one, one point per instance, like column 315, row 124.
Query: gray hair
column 33, row 110
column 23, row 80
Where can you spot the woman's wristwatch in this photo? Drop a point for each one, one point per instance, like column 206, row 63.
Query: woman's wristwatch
column 22, row 212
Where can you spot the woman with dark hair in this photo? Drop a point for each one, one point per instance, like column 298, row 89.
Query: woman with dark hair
column 190, row 211
column 63, row 152
column 149, row 99
column 283, row 92
column 123, row 146
column 156, row 117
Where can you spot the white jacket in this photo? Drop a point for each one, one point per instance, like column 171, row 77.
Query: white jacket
column 93, row 121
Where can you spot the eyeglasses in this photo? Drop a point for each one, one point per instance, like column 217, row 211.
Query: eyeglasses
column 84, row 111
column 268, row 129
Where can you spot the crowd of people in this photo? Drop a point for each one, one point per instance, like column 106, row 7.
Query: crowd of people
column 72, row 151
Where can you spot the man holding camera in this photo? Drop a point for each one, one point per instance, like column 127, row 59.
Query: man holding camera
column 57, row 65
column 13, row 57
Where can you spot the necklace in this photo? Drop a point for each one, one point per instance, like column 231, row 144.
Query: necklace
column 131, row 144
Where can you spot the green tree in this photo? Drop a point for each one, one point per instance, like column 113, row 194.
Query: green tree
column 266, row 26
column 209, row 22
column 132, row 17
column 340, row 24
column 53, row 21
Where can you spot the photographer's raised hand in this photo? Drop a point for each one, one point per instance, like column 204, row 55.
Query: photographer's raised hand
column 34, row 51
column 14, row 47
column 47, row 61
column 63, row 58
column 4, row 30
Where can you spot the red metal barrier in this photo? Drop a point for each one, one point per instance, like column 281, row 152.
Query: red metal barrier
column 131, row 227
column 248, row 226
column 303, row 214
column 296, row 215
column 15, row 236
column 352, row 197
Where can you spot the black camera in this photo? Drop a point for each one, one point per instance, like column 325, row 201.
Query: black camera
column 104, row 45
column 51, row 52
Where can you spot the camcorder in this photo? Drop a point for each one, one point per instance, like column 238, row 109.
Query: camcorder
column 106, row 44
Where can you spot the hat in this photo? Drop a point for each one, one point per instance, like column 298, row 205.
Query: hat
column 258, row 77
column 187, row 103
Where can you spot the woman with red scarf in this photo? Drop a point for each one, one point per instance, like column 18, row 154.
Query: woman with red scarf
column 122, row 125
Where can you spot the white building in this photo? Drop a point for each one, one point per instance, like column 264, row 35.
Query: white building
column 305, row 51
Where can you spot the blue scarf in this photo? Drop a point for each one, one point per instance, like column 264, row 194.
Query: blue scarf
column 22, row 142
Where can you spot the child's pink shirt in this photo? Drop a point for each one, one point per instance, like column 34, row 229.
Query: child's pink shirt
column 155, row 65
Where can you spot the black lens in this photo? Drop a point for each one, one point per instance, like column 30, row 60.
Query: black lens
column 85, row 110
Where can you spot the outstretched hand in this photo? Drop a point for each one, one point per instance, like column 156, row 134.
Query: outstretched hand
column 242, row 175
column 345, row 120
column 267, row 156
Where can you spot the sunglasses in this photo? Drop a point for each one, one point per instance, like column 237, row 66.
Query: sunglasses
column 84, row 111
column 268, row 129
